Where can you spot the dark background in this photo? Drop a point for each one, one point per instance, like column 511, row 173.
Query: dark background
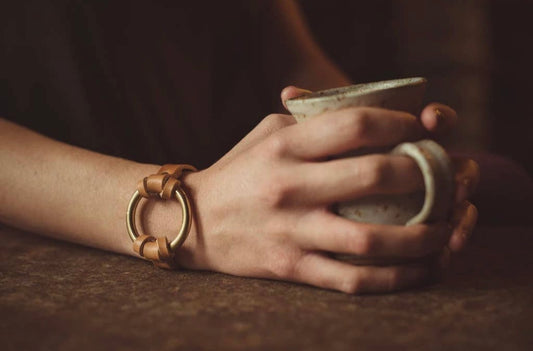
column 476, row 55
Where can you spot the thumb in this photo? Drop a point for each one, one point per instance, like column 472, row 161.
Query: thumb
column 438, row 119
column 292, row 92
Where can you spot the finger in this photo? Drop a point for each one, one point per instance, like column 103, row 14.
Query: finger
column 292, row 92
column 466, row 177
column 324, row 231
column 317, row 270
column 464, row 220
column 269, row 125
column 438, row 119
column 354, row 177
column 340, row 131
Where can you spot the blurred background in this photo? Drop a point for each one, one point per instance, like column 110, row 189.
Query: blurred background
column 476, row 54
column 72, row 63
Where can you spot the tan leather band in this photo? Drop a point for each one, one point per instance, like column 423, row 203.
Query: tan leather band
column 165, row 184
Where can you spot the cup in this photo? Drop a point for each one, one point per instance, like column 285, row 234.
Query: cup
column 430, row 205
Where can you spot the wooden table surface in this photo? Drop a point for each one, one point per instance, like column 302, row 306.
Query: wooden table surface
column 58, row 296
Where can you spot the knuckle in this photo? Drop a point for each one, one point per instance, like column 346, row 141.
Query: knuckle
column 276, row 121
column 282, row 264
column 359, row 123
column 275, row 190
column 407, row 126
column 354, row 122
column 363, row 122
column 376, row 172
column 394, row 280
column 352, row 284
column 364, row 244
column 277, row 145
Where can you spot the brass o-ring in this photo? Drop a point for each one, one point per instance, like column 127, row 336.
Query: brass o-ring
column 180, row 195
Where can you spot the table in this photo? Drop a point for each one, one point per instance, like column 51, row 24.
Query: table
column 59, row 296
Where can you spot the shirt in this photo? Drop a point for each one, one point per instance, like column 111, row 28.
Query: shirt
column 152, row 81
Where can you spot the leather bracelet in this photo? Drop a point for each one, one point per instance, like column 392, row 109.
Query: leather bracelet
column 165, row 184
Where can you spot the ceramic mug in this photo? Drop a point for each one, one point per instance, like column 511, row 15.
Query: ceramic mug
column 431, row 204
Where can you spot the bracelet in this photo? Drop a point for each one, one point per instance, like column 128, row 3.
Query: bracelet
column 164, row 185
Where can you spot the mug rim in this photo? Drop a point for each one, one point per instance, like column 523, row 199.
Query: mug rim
column 357, row 90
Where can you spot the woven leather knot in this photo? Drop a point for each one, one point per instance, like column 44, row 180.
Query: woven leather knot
column 154, row 249
column 164, row 182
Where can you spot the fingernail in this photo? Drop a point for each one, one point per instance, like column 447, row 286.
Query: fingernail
column 472, row 220
column 456, row 243
column 465, row 233
column 439, row 115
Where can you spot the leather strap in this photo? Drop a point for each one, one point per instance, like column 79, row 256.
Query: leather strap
column 164, row 182
column 161, row 185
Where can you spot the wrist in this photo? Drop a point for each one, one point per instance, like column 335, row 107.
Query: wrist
column 161, row 209
column 187, row 255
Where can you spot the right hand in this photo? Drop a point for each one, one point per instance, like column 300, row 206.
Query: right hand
column 263, row 209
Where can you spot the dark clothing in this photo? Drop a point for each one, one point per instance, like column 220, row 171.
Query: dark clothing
column 152, row 81
column 161, row 81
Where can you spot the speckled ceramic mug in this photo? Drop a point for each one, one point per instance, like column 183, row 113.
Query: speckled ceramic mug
column 430, row 205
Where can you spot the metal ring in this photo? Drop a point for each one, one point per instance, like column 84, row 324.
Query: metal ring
column 185, row 214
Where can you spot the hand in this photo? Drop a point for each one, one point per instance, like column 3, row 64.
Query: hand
column 438, row 120
column 262, row 210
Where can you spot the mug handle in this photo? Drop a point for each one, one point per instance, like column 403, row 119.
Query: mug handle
column 437, row 171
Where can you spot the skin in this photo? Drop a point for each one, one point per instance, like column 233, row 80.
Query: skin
column 263, row 209
column 283, row 222
column 260, row 211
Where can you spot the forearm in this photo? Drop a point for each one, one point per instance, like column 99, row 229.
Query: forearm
column 68, row 193
column 291, row 55
column 313, row 68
